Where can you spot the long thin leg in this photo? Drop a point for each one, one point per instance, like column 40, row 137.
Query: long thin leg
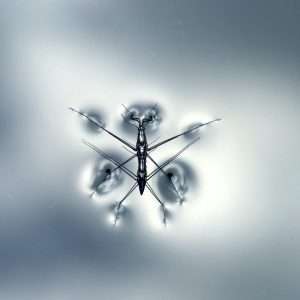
column 108, row 157
column 168, row 161
column 160, row 202
column 124, row 163
column 117, row 215
column 116, row 168
column 155, row 140
column 103, row 128
column 169, row 179
column 178, row 135
column 128, row 150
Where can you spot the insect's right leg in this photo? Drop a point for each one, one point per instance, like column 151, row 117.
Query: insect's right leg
column 117, row 214
column 171, row 159
column 160, row 168
column 160, row 202
column 181, row 134
column 155, row 140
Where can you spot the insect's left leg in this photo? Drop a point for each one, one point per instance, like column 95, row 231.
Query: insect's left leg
column 160, row 202
column 117, row 214
column 128, row 150
column 108, row 157
column 99, row 125
column 124, row 162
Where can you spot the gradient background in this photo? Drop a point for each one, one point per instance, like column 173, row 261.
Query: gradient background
column 237, row 236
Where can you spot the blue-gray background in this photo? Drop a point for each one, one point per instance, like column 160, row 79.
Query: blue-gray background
column 237, row 236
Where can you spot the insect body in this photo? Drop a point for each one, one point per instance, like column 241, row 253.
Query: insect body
column 141, row 147
column 142, row 152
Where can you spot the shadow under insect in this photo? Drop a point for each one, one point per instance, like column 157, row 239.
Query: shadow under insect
column 98, row 118
column 176, row 181
column 104, row 178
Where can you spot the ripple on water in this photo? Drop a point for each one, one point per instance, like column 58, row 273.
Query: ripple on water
column 104, row 178
column 176, row 181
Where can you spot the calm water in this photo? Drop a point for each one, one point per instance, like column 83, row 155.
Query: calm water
column 236, row 234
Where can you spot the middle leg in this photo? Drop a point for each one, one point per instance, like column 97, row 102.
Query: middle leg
column 175, row 189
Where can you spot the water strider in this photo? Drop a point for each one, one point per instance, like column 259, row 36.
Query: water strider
column 141, row 151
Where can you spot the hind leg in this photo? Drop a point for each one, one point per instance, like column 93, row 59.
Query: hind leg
column 160, row 202
column 117, row 214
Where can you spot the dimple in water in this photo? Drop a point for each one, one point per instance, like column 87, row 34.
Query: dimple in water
column 105, row 179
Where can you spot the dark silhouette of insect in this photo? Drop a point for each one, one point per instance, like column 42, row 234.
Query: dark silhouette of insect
column 141, row 151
